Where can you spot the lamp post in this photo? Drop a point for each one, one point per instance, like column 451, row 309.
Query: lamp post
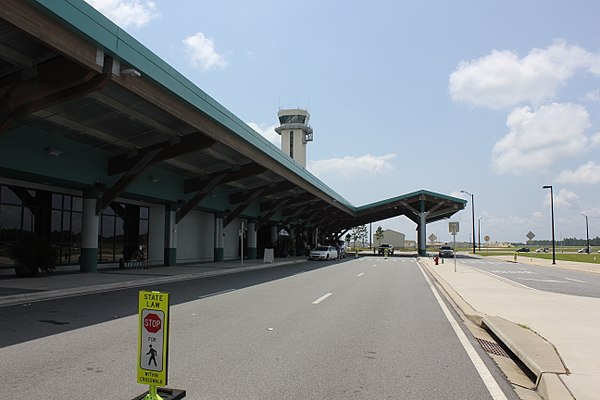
column 552, row 208
column 479, row 233
column 587, row 234
column 472, row 214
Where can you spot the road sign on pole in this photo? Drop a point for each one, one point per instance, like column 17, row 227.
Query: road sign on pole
column 453, row 227
column 153, row 340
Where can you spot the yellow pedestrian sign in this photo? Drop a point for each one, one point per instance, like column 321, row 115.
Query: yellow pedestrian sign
column 153, row 338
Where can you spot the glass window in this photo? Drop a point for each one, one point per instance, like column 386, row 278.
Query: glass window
column 56, row 226
column 28, row 220
column 10, row 217
column 66, row 202
column 57, row 201
column 144, row 212
column 77, row 203
column 9, row 196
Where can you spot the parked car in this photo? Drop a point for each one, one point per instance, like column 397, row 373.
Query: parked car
column 584, row 250
column 445, row 251
column 323, row 253
column 542, row 250
column 524, row 250
column 384, row 246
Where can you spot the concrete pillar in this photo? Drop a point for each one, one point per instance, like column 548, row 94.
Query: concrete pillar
column 219, row 237
column 170, row 255
column 252, row 250
column 89, row 232
column 422, row 229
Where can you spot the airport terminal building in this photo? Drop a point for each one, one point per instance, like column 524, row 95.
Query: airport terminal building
column 114, row 156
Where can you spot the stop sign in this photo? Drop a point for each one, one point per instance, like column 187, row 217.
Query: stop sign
column 152, row 323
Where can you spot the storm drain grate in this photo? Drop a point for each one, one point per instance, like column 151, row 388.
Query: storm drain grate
column 493, row 348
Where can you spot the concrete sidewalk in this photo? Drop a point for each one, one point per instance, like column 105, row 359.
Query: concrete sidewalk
column 569, row 323
column 15, row 290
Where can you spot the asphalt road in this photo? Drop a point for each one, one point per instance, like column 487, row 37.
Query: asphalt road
column 361, row 329
column 549, row 279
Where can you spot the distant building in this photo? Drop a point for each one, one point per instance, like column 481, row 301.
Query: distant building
column 396, row 239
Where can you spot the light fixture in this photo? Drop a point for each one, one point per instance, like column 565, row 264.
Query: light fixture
column 153, row 179
column 51, row 151
column 130, row 72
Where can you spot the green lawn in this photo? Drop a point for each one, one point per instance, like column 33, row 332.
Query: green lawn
column 588, row 258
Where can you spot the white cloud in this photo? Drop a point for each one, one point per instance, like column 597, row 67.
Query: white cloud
column 202, row 52
column 587, row 174
column 564, row 198
column 136, row 13
column 502, row 79
column 537, row 139
column 353, row 167
column 593, row 96
column 267, row 131
column 595, row 140
column 592, row 212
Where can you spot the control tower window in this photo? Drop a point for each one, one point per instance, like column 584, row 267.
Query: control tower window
column 292, row 119
column 292, row 144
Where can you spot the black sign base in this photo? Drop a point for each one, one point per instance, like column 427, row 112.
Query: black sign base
column 165, row 393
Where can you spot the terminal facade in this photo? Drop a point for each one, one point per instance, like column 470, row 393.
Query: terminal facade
column 113, row 156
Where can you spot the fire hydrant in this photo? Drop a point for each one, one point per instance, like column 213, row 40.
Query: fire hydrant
column 437, row 260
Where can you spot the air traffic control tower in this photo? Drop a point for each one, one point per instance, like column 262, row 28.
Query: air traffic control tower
column 295, row 133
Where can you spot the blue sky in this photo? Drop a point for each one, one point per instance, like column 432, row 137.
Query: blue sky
column 496, row 98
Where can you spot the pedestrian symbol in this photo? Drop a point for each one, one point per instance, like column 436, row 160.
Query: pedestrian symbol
column 152, row 354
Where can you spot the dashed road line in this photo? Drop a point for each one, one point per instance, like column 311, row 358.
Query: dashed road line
column 320, row 299
column 575, row 280
column 361, row 274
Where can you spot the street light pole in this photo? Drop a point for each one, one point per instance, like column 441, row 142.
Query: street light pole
column 552, row 208
column 587, row 234
column 479, row 233
column 472, row 214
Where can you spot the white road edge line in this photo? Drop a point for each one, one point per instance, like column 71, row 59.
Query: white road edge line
column 575, row 280
column 489, row 381
column 320, row 299
column 361, row 274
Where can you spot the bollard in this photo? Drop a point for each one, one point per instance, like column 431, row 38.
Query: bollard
column 515, row 256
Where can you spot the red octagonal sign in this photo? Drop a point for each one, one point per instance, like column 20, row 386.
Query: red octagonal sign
column 152, row 323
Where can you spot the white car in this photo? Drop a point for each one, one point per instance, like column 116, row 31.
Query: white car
column 584, row 250
column 323, row 253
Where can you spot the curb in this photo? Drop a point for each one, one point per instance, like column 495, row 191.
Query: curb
column 535, row 352
column 107, row 287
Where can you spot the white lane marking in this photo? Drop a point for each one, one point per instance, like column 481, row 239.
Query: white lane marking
column 575, row 280
column 374, row 265
column 541, row 280
column 489, row 381
column 320, row 299
column 509, row 281
column 361, row 274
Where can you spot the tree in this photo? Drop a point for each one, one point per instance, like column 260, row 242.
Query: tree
column 379, row 234
column 360, row 233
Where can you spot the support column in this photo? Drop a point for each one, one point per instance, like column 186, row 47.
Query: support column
column 219, row 237
column 252, row 250
column 170, row 256
column 422, row 229
column 89, row 232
